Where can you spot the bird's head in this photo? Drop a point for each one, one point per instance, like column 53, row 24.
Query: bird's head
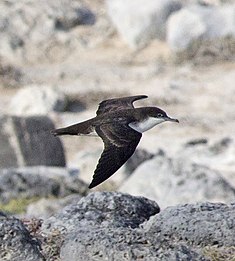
column 160, row 115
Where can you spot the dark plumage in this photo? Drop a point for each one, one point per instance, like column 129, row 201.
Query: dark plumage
column 120, row 126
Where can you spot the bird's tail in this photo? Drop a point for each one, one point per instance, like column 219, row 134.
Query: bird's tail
column 83, row 128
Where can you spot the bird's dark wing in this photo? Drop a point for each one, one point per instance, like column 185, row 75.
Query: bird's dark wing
column 118, row 104
column 120, row 142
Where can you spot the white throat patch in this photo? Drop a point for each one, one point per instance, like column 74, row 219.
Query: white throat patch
column 146, row 125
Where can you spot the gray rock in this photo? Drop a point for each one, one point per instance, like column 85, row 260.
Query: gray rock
column 37, row 100
column 16, row 244
column 138, row 22
column 176, row 181
column 199, row 224
column 109, row 243
column 28, row 142
column 39, row 182
column 102, row 209
column 177, row 233
column 202, row 31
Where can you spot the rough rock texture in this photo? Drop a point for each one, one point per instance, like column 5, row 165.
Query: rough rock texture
column 87, row 244
column 202, row 31
column 199, row 224
column 26, row 141
column 175, row 181
column 138, row 22
column 177, row 233
column 37, row 100
column 103, row 209
column 34, row 29
column 116, row 226
column 39, row 182
column 16, row 243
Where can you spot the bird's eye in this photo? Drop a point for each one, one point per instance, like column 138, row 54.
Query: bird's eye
column 160, row 115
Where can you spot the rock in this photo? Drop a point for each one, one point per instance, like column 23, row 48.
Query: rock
column 24, row 39
column 177, row 233
column 28, row 142
column 45, row 208
column 39, row 182
column 218, row 155
column 175, row 181
column 102, row 209
column 199, row 224
column 197, row 31
column 37, row 100
column 138, row 22
column 111, row 243
column 16, row 243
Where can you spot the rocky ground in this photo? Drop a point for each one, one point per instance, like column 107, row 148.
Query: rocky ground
column 58, row 60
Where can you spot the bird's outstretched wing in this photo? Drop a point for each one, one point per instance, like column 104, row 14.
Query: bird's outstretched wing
column 120, row 142
column 118, row 104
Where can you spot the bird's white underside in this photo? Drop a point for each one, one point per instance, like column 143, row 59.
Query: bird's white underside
column 137, row 126
column 146, row 125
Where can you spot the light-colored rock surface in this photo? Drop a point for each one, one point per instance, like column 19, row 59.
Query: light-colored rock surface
column 34, row 30
column 175, row 181
column 138, row 22
column 37, row 100
column 191, row 29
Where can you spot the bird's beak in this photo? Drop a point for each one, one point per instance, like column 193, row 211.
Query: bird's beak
column 171, row 119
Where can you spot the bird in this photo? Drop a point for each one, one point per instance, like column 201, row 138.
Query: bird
column 120, row 125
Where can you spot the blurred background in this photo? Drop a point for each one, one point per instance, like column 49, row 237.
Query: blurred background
column 59, row 59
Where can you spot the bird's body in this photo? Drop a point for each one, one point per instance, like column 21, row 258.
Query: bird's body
column 120, row 126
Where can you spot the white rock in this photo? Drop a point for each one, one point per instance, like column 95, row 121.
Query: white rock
column 140, row 21
column 37, row 100
column 198, row 23
column 174, row 181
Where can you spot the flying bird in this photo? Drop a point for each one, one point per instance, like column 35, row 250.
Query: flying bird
column 120, row 125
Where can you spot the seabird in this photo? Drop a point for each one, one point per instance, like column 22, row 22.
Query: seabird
column 120, row 125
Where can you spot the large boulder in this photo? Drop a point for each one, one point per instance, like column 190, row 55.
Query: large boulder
column 26, row 141
column 197, row 31
column 102, row 209
column 139, row 21
column 200, row 224
column 175, row 181
column 37, row 100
